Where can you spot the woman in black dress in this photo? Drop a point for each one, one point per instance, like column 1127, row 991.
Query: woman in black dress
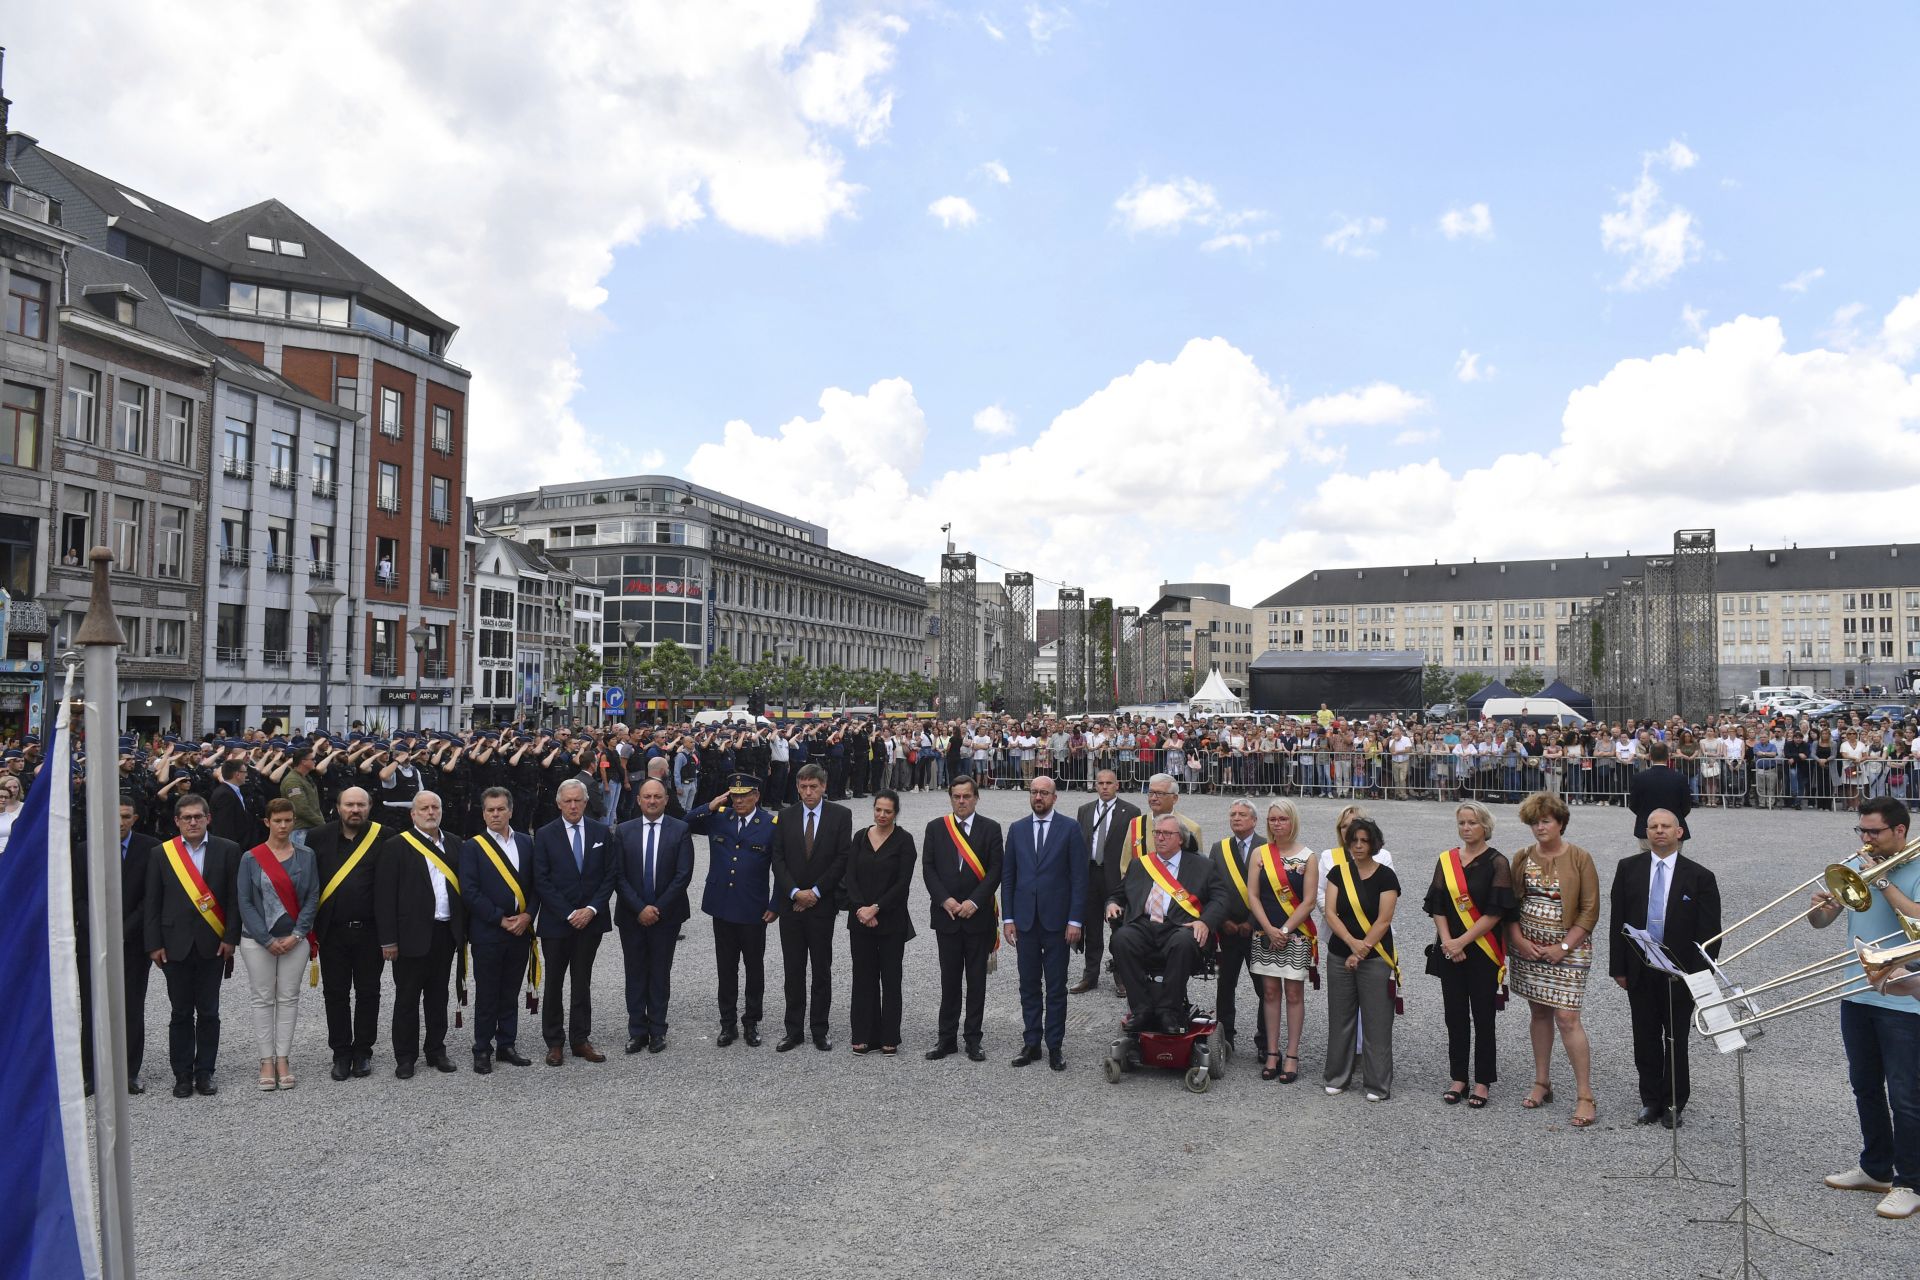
column 873, row 891
column 1469, row 976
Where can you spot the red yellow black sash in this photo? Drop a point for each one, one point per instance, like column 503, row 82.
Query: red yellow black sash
column 195, row 886
column 1157, row 871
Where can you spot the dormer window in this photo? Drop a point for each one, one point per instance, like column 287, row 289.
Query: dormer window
column 293, row 249
column 123, row 308
column 260, row 244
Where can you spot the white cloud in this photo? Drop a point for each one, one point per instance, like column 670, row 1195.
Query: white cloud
column 1167, row 206
column 1475, row 221
column 1695, row 318
column 954, row 211
column 1350, row 239
column 1843, row 329
column 1414, row 435
column 986, row 24
column 1656, row 238
column 993, row 421
column 1469, row 369
column 994, row 171
column 1900, row 331
column 1239, row 240
column 1805, row 280
column 1044, row 23
column 732, row 110
column 1371, row 406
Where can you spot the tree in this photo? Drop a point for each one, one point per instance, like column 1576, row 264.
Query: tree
column 830, row 682
column 724, row 674
column 1436, row 684
column 989, row 693
column 793, row 680
column 672, row 672
column 1526, row 682
column 1048, row 693
column 1468, row 683
column 917, row 690
column 580, row 668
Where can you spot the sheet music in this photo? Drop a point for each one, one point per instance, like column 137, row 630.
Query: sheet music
column 1653, row 952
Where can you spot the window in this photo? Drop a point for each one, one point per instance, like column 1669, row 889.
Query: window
column 392, row 410
column 443, row 428
column 274, row 642
column 130, row 628
column 320, row 545
column 260, row 244
column 236, row 447
column 333, row 310
column 279, row 544
column 325, row 461
column 381, row 647
column 440, row 504
column 20, row 410
column 272, row 302
column 385, row 561
column 346, row 392
column 76, row 526
column 283, row 459
column 83, row 404
column 169, row 638
column 170, row 542
column 130, row 417
column 387, row 496
column 437, row 568
column 230, row 632
column 234, row 536
column 126, row 534
column 27, row 307
column 176, row 431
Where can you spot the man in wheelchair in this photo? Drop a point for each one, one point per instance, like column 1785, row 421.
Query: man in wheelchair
column 1170, row 903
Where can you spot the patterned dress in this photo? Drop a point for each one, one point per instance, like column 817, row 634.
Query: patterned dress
column 1292, row 961
column 1560, row 984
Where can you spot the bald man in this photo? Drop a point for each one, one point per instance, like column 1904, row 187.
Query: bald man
column 345, row 852
column 1676, row 900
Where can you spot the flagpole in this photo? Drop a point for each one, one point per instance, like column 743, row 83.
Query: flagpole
column 100, row 640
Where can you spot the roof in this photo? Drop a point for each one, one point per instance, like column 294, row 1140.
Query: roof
column 223, row 241
column 1384, row 660
column 527, row 558
column 90, row 271
column 231, row 364
column 1789, row 569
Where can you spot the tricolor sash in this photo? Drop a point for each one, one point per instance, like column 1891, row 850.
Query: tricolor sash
column 1136, row 845
column 1283, row 890
column 1157, row 871
column 353, row 860
column 195, row 886
column 1233, row 869
column 978, row 868
column 500, row 864
column 1345, row 868
column 1455, row 871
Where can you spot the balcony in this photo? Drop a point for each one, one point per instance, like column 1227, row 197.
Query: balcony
column 237, row 655
column 383, row 665
column 387, row 501
column 440, row 515
column 283, row 477
column 277, row 563
column 391, row 430
column 436, row 669
column 276, row 657
column 236, row 556
column 439, row 586
column 320, row 570
column 324, row 487
column 239, row 468
column 386, row 583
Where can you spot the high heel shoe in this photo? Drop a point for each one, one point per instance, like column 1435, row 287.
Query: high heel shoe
column 1545, row 1092
column 1272, row 1070
column 1288, row 1077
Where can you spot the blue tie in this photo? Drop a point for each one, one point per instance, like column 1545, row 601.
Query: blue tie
column 651, row 828
column 1657, row 901
column 579, row 854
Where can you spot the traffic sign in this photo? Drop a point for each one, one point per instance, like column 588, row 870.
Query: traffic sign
column 614, row 699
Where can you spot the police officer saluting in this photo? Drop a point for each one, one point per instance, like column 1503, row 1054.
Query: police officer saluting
column 739, row 897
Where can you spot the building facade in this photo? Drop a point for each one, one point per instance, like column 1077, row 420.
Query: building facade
column 532, row 614
column 1205, row 631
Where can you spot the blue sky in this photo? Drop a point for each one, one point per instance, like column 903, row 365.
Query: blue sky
column 692, row 215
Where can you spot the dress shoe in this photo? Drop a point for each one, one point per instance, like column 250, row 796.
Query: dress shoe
column 555, row 1055
column 823, row 1044
column 134, row 1086
column 483, row 1064
column 976, row 1054
column 791, row 1040
column 1085, row 984
column 726, row 1037
column 511, row 1056
column 183, row 1087
column 752, row 1037
column 342, row 1068
column 639, row 1044
column 1030, row 1053
column 940, row 1051
column 362, row 1066
column 1056, row 1059
column 657, row 1044
column 442, row 1063
column 1672, row 1120
column 403, row 1071
column 1649, row 1115
column 586, row 1050
column 204, row 1086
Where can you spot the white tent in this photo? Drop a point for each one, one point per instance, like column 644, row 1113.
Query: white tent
column 1215, row 699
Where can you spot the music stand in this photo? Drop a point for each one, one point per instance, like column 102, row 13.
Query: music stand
column 1673, row 1168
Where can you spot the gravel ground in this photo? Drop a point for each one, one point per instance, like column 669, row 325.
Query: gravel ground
column 738, row 1161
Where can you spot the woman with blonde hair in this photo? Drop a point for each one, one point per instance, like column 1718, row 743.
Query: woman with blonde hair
column 1470, row 899
column 1282, row 954
column 1550, row 948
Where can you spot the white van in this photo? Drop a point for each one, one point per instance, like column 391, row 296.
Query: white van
column 1768, row 695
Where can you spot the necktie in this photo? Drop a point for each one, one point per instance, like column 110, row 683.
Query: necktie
column 651, row 828
column 1657, row 901
column 1040, row 835
column 809, row 834
column 579, row 853
column 1100, row 830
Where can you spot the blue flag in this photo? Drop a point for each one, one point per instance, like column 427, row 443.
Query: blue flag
column 47, row 1229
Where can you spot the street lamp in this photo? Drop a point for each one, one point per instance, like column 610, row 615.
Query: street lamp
column 326, row 598
column 420, row 633
column 55, row 602
column 630, row 632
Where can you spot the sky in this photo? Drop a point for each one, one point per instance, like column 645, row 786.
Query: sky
column 1124, row 292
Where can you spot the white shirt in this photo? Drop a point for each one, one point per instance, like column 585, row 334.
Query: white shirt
column 507, row 847
column 442, row 908
column 777, row 749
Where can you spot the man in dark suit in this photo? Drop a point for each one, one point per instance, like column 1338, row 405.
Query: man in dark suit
column 1173, row 927
column 573, row 869
column 345, row 853
column 496, row 882
column 1676, row 900
column 422, row 926
column 1103, row 821
column 233, row 817
column 739, row 897
column 1659, row 786
column 655, row 868
column 1043, row 890
column 191, row 925
column 136, row 852
column 964, row 919
column 811, row 844
column 1242, row 845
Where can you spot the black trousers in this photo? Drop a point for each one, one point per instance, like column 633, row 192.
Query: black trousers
column 1134, row 945
column 806, row 937
column 350, row 969
column 193, row 1034
column 1467, row 992
column 648, row 951
column 570, row 952
column 733, row 946
column 963, row 965
column 139, row 967
column 1662, row 1009
column 1094, row 912
column 877, row 962
column 422, row 981
column 499, row 965
column 1233, row 964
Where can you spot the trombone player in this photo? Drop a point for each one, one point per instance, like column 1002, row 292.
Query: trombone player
column 1881, row 1028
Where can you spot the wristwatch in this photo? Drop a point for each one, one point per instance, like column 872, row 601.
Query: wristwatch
column 1883, row 884
column 1566, row 946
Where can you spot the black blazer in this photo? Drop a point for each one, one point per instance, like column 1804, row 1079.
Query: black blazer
column 1124, row 812
column 1659, row 787
column 879, row 877
column 1197, row 875
column 672, row 870
column 563, row 888
column 141, row 849
column 352, row 902
column 231, row 819
column 403, row 896
column 1693, row 914
column 947, row 874
column 488, row 896
column 171, row 919
column 794, row 870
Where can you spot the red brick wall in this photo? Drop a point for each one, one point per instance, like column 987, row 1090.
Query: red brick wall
column 313, row 371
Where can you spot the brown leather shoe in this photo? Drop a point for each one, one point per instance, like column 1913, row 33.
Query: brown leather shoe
column 1084, row 985
column 586, row 1050
column 555, row 1057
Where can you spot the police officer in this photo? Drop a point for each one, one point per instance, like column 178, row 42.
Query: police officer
column 739, row 897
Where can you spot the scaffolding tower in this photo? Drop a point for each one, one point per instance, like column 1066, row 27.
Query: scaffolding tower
column 1127, row 651
column 1153, row 658
column 959, row 632
column 1695, row 648
column 1073, row 651
column 1101, row 659
column 1019, row 679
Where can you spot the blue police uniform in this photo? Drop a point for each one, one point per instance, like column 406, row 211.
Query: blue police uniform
column 738, row 895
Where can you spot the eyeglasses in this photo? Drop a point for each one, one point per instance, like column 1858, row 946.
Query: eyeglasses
column 1868, row 833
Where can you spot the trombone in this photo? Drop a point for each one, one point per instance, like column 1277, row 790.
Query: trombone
column 1842, row 881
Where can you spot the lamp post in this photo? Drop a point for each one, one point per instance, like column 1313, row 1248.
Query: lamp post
column 55, row 602
column 420, row 633
column 630, row 632
column 326, row 598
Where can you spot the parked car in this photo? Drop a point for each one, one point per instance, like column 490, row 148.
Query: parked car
column 1823, row 710
column 1896, row 712
column 1442, row 711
